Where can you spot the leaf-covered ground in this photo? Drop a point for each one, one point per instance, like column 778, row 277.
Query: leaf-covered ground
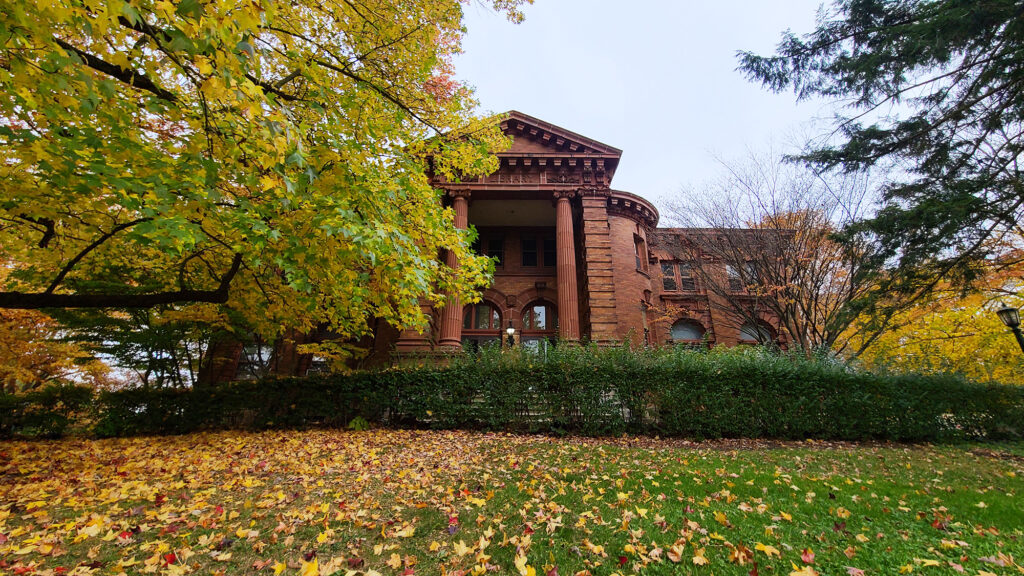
column 407, row 502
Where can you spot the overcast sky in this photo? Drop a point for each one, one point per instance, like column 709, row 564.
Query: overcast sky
column 656, row 79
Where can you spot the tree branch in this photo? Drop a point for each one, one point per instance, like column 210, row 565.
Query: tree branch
column 130, row 77
column 85, row 251
column 35, row 301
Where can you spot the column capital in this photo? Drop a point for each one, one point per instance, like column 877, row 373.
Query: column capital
column 559, row 194
column 458, row 193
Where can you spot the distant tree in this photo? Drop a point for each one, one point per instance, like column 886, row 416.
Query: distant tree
column 936, row 89
column 33, row 352
column 952, row 331
column 155, row 347
column 272, row 156
column 761, row 242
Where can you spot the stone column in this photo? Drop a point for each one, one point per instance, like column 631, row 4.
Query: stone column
column 568, row 295
column 451, row 314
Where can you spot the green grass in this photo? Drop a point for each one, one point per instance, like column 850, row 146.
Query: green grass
column 354, row 499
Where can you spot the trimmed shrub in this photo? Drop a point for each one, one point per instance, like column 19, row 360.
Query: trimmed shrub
column 743, row 392
column 47, row 412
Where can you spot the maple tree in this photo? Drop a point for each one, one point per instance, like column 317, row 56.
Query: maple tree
column 269, row 156
column 951, row 331
column 33, row 353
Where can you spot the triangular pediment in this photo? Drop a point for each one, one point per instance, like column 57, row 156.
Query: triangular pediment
column 534, row 136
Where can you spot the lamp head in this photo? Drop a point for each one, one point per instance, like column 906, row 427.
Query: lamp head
column 510, row 331
column 1009, row 316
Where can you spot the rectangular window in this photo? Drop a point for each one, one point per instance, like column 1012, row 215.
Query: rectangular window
column 641, row 254
column 735, row 282
column 550, row 255
column 752, row 276
column 496, row 250
column 668, row 276
column 529, row 251
column 686, row 279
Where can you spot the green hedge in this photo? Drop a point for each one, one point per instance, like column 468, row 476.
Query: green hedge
column 740, row 392
column 44, row 413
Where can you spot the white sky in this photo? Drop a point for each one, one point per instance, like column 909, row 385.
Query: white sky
column 655, row 78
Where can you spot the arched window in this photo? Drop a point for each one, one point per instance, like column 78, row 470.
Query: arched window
column 759, row 333
column 482, row 316
column 481, row 325
column 687, row 332
column 540, row 324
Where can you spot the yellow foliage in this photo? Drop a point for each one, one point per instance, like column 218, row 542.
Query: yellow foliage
column 953, row 332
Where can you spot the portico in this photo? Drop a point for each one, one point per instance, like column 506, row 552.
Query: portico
column 546, row 216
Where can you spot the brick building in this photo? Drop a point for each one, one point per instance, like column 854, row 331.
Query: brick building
column 576, row 260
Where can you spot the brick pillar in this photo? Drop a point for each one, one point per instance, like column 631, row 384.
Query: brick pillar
column 451, row 314
column 568, row 295
column 599, row 276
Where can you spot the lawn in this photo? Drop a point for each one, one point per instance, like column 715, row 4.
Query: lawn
column 411, row 502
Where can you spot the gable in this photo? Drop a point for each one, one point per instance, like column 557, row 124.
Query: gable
column 534, row 136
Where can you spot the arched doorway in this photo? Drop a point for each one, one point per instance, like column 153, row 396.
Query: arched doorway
column 481, row 326
column 540, row 325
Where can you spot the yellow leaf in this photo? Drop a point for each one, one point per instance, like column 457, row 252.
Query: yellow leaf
column 278, row 568
column 768, row 550
column 310, row 568
column 698, row 557
column 675, row 553
column 805, row 571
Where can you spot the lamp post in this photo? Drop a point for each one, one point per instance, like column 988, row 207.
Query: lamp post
column 511, row 335
column 1011, row 317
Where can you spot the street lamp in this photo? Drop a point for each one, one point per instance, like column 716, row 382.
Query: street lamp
column 511, row 335
column 1011, row 317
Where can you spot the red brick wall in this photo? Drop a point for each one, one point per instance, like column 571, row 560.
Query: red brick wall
column 630, row 283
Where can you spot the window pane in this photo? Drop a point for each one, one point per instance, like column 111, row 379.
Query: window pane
column 495, row 319
column 752, row 275
column 668, row 276
column 540, row 317
column 751, row 333
column 687, row 330
column 529, row 251
column 483, row 316
column 735, row 283
column 550, row 254
column 467, row 318
column 496, row 249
